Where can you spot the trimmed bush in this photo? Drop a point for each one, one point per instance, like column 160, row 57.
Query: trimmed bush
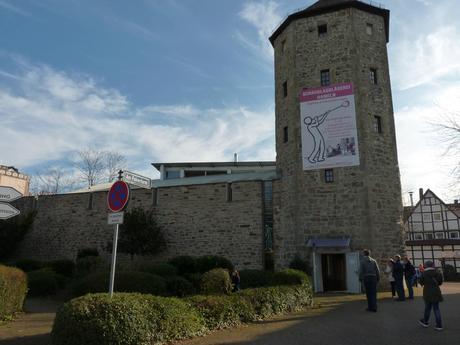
column 28, row 265
column 256, row 278
column 89, row 264
column 184, row 264
column 13, row 290
column 209, row 262
column 290, row 277
column 300, row 264
column 124, row 282
column 216, row 281
column 179, row 286
column 42, row 282
column 160, row 269
column 124, row 319
column 85, row 252
column 223, row 311
column 63, row 267
column 195, row 279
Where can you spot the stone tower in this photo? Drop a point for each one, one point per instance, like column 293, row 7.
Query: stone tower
column 328, row 213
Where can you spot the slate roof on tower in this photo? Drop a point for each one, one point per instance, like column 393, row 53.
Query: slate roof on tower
column 325, row 6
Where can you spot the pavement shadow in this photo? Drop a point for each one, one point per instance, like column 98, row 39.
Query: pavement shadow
column 42, row 339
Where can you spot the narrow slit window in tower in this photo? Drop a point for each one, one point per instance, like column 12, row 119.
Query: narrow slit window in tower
column 285, row 134
column 325, row 77
column 377, row 124
column 285, row 89
column 322, row 30
column 369, row 28
column 373, row 75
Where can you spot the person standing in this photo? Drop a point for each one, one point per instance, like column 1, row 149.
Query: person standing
column 398, row 274
column 369, row 275
column 431, row 279
column 409, row 274
column 236, row 280
column 391, row 279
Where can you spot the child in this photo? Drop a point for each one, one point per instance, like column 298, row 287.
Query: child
column 431, row 279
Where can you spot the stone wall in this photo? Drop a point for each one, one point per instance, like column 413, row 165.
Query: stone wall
column 197, row 220
column 364, row 202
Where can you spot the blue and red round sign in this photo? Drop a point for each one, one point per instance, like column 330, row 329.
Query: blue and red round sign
column 118, row 196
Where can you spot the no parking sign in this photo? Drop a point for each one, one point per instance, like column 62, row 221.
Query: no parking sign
column 118, row 196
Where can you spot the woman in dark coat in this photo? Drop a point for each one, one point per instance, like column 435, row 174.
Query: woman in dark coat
column 431, row 279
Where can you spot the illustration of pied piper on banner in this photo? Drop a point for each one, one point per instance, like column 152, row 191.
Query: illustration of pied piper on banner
column 328, row 120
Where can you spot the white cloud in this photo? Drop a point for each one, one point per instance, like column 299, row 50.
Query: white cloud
column 49, row 114
column 264, row 16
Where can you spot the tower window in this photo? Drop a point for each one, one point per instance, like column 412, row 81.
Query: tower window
column 377, row 124
column 373, row 75
column 322, row 30
column 283, row 46
column 369, row 28
column 329, row 175
column 229, row 192
column 325, row 77
column 285, row 89
column 285, row 135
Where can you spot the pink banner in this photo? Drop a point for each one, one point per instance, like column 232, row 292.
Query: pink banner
column 326, row 92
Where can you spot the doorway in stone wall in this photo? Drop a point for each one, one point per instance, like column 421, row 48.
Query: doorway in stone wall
column 334, row 272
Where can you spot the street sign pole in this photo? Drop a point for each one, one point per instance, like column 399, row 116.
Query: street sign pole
column 114, row 259
column 117, row 199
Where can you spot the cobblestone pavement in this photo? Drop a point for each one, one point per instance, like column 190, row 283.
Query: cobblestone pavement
column 342, row 320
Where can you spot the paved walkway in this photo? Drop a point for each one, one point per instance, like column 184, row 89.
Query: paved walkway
column 337, row 320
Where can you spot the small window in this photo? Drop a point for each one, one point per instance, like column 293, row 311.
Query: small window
column 418, row 237
column 285, row 89
column 322, row 30
column 373, row 75
column 437, row 216
column 369, row 28
column 329, row 175
column 454, row 234
column 90, row 201
column 285, row 134
column 429, row 236
column 283, row 46
column 325, row 77
column 439, row 235
column 229, row 192
column 377, row 124
column 172, row 174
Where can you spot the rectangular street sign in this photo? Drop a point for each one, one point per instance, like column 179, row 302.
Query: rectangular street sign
column 115, row 218
column 8, row 211
column 8, row 194
column 136, row 179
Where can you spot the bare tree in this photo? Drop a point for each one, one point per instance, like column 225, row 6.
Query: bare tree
column 53, row 181
column 114, row 162
column 90, row 165
column 96, row 166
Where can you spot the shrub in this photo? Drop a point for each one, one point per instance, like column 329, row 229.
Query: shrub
column 124, row 319
column 195, row 279
column 42, row 282
column 209, row 262
column 28, row 265
column 300, row 264
column 290, row 277
column 89, row 264
column 223, row 311
column 160, row 269
column 13, row 289
column 85, row 252
column 124, row 282
column 256, row 278
column 63, row 267
column 216, row 281
column 270, row 301
column 179, row 286
column 184, row 264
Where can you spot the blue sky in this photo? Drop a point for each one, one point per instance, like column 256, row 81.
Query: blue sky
column 183, row 80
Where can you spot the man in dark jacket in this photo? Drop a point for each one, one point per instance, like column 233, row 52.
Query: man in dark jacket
column 398, row 274
column 431, row 279
column 409, row 274
column 369, row 275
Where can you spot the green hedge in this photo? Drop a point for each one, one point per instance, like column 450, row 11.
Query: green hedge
column 145, row 319
column 160, row 269
column 125, row 319
column 255, row 278
column 28, row 265
column 63, row 267
column 124, row 282
column 13, row 289
column 216, row 281
column 178, row 286
column 43, row 282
